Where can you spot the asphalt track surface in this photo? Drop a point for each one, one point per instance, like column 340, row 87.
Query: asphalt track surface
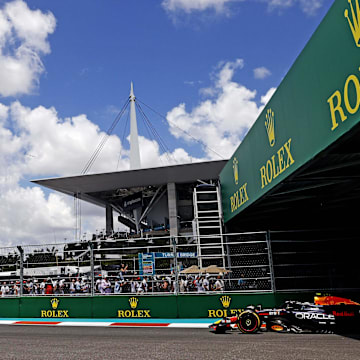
column 51, row 343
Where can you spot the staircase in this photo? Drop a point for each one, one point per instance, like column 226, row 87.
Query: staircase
column 207, row 216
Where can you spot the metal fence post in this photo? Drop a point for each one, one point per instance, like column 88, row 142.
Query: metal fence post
column 91, row 246
column 271, row 264
column 21, row 251
column 176, row 287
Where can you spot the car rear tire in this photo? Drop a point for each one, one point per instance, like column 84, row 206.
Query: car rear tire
column 248, row 322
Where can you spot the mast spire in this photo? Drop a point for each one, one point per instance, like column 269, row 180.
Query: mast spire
column 134, row 138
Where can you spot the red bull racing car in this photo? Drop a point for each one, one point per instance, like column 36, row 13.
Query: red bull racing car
column 328, row 314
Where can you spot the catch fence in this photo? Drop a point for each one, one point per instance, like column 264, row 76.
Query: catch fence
column 136, row 265
column 254, row 262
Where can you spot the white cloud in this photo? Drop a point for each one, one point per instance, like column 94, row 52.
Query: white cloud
column 189, row 6
column 309, row 7
column 266, row 98
column 71, row 141
column 222, row 120
column 23, row 39
column 36, row 143
column 151, row 155
column 280, row 3
column 27, row 216
column 261, row 72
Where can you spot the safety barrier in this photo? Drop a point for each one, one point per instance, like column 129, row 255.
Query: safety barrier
column 139, row 307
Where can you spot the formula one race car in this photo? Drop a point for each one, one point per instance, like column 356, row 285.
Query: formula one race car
column 328, row 314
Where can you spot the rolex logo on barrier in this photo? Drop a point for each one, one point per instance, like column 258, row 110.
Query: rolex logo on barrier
column 134, row 312
column 133, row 301
column 225, row 301
column 55, row 312
column 355, row 22
column 54, row 303
column 270, row 126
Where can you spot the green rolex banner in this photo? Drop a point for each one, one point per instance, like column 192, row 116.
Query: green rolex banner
column 317, row 102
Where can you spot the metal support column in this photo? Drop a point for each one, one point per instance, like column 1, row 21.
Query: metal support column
column 91, row 246
column 271, row 264
column 176, row 271
column 21, row 251
column 172, row 204
column 109, row 220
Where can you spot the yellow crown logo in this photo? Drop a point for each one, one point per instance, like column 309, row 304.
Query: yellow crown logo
column 354, row 25
column 54, row 303
column 225, row 301
column 236, row 170
column 133, row 301
column 270, row 126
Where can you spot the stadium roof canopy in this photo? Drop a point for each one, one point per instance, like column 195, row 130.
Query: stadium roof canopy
column 96, row 188
column 299, row 164
column 323, row 192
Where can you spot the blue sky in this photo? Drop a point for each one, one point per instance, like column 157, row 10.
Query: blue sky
column 98, row 47
column 69, row 65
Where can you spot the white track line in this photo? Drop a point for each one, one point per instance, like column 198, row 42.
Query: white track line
column 25, row 322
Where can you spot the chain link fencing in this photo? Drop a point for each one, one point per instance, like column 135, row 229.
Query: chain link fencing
column 253, row 262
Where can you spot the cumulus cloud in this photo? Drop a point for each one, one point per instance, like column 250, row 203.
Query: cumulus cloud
column 45, row 137
column 261, row 73
column 189, row 6
column 309, row 7
column 266, row 98
column 224, row 117
column 37, row 143
column 23, row 40
column 152, row 156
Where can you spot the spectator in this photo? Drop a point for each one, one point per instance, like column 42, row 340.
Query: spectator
column 143, row 286
column 206, row 284
column 242, row 282
column 42, row 287
column 199, row 284
column 77, row 286
column 105, row 286
column 61, row 286
column 123, row 271
column 4, row 289
column 17, row 288
column 84, row 285
column 165, row 285
column 219, row 284
column 98, row 286
column 72, row 289
column 55, row 286
column 118, row 285
column 36, row 287
column 49, row 287
column 169, row 280
column 134, row 284
column 182, row 285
